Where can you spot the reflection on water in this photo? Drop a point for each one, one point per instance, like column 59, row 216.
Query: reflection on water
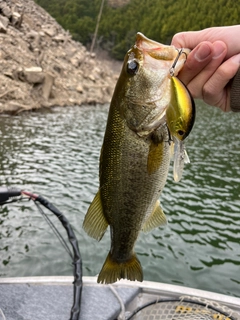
column 56, row 154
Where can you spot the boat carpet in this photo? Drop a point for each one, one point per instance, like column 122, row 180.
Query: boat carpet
column 54, row 302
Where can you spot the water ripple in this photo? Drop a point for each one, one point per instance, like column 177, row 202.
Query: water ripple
column 56, row 153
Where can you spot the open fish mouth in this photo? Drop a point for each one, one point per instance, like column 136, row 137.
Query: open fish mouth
column 149, row 45
column 160, row 51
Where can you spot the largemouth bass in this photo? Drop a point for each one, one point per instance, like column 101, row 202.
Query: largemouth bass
column 135, row 155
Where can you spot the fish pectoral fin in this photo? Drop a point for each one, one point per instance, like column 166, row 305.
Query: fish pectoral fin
column 113, row 271
column 156, row 219
column 95, row 223
column 155, row 156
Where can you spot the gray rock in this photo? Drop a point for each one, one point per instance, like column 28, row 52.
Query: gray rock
column 47, row 86
column 50, row 30
column 4, row 21
column 3, row 29
column 17, row 19
column 6, row 11
column 33, row 75
column 41, row 66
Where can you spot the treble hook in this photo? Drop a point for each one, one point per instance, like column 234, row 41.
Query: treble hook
column 172, row 69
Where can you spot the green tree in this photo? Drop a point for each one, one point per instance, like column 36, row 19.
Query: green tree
column 157, row 19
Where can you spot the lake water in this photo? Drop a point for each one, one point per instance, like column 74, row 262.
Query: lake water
column 56, row 154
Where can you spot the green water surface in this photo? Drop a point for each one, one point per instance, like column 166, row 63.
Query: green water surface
column 56, row 154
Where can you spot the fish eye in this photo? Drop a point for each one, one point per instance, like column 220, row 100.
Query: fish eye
column 180, row 132
column 132, row 67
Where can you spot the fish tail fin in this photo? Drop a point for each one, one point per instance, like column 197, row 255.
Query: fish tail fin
column 113, row 270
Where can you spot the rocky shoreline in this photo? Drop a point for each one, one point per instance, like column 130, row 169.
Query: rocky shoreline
column 41, row 66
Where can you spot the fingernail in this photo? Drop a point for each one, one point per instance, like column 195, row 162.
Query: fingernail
column 202, row 52
column 218, row 49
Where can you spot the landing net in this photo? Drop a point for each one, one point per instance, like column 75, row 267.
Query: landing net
column 186, row 308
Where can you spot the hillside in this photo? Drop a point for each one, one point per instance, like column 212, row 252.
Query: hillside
column 41, row 66
column 121, row 19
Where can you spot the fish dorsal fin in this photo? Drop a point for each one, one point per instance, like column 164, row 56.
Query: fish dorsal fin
column 156, row 219
column 95, row 223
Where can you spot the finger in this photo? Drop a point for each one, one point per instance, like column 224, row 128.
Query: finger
column 197, row 83
column 216, row 90
column 227, row 34
column 197, row 60
column 188, row 39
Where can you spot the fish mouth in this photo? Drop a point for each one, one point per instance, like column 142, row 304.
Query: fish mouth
column 160, row 51
column 146, row 44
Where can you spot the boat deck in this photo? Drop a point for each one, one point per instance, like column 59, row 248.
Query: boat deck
column 51, row 298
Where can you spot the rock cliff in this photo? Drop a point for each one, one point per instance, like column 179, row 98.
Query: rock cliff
column 41, row 66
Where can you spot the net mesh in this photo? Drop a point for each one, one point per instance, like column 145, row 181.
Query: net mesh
column 187, row 308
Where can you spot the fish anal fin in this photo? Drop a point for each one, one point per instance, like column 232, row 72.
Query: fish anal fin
column 156, row 219
column 113, row 271
column 95, row 223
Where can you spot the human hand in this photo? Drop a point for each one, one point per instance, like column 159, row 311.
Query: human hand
column 212, row 63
